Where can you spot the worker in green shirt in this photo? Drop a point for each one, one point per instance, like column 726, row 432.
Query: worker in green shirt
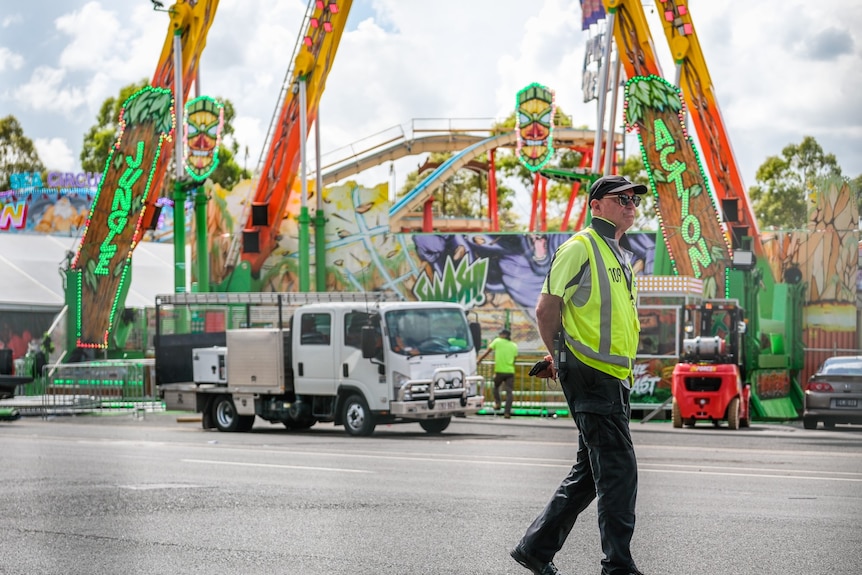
column 505, row 351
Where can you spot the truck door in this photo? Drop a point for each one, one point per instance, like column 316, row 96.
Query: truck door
column 315, row 356
column 357, row 371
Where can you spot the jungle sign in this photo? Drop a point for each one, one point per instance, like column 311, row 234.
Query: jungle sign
column 103, row 262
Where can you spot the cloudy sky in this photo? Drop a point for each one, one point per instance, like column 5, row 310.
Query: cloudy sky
column 782, row 69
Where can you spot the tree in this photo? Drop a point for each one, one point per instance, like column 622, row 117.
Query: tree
column 17, row 152
column 99, row 139
column 781, row 196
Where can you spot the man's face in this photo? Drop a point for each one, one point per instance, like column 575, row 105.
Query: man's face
column 609, row 208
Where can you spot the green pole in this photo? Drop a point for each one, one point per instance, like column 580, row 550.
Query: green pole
column 179, row 192
column 304, row 221
column 71, row 295
column 179, row 238
column 201, row 239
column 319, row 216
column 180, row 252
column 320, row 250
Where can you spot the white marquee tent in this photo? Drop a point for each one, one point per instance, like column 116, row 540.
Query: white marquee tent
column 31, row 278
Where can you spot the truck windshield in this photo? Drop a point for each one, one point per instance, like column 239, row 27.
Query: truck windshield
column 428, row 331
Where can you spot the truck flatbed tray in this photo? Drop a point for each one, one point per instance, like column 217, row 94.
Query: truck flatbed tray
column 272, row 298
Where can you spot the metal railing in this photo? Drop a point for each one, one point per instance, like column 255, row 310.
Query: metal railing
column 99, row 386
column 532, row 396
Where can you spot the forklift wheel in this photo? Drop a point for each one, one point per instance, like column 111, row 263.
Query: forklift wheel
column 733, row 413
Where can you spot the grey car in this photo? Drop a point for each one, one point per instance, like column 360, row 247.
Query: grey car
column 834, row 394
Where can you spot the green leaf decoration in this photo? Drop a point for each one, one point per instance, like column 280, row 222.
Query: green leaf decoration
column 709, row 287
column 150, row 105
column 718, row 253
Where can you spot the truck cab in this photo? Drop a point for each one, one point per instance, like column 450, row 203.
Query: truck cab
column 409, row 361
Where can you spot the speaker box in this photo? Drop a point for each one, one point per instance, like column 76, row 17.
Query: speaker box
column 259, row 215
column 251, row 241
column 730, row 207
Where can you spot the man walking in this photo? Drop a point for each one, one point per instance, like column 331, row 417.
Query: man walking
column 505, row 351
column 587, row 306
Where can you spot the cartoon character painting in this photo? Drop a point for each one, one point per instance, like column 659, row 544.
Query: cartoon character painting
column 204, row 122
column 535, row 118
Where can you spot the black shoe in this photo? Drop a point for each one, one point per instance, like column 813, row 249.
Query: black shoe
column 537, row 566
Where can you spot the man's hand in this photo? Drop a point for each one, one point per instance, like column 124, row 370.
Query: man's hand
column 545, row 368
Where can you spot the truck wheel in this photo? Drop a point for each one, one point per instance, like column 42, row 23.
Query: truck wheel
column 435, row 425
column 809, row 423
column 226, row 418
column 356, row 416
column 676, row 416
column 733, row 413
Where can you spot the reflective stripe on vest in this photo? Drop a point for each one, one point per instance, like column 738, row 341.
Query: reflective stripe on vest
column 604, row 348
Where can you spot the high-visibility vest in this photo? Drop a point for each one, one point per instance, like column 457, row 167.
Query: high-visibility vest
column 605, row 330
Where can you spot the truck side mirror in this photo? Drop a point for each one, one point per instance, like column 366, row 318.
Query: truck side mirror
column 476, row 332
column 368, row 342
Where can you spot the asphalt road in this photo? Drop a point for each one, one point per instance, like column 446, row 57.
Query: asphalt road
column 125, row 495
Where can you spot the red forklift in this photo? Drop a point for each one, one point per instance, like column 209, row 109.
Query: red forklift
column 708, row 382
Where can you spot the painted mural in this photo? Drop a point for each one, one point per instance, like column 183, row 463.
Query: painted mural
column 825, row 256
column 497, row 276
column 60, row 212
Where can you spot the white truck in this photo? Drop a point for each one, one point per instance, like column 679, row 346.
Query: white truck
column 348, row 358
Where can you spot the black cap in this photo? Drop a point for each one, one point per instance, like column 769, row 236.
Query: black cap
column 612, row 185
column 505, row 332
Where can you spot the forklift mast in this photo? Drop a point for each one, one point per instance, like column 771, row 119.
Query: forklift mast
column 713, row 332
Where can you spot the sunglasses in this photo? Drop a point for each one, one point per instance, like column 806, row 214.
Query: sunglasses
column 624, row 199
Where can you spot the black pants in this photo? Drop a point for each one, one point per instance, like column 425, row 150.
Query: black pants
column 605, row 468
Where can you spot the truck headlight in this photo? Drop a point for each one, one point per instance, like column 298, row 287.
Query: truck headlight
column 399, row 379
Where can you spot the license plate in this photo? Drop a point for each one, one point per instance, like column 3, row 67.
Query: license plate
column 448, row 405
column 845, row 403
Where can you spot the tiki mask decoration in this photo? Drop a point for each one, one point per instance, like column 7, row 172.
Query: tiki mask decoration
column 535, row 126
column 204, row 121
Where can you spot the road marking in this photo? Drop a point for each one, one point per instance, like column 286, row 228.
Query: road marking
column 760, row 475
column 274, row 466
column 849, row 452
column 699, row 467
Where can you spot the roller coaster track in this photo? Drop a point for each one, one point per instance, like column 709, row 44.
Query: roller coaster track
column 466, row 142
column 406, row 206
